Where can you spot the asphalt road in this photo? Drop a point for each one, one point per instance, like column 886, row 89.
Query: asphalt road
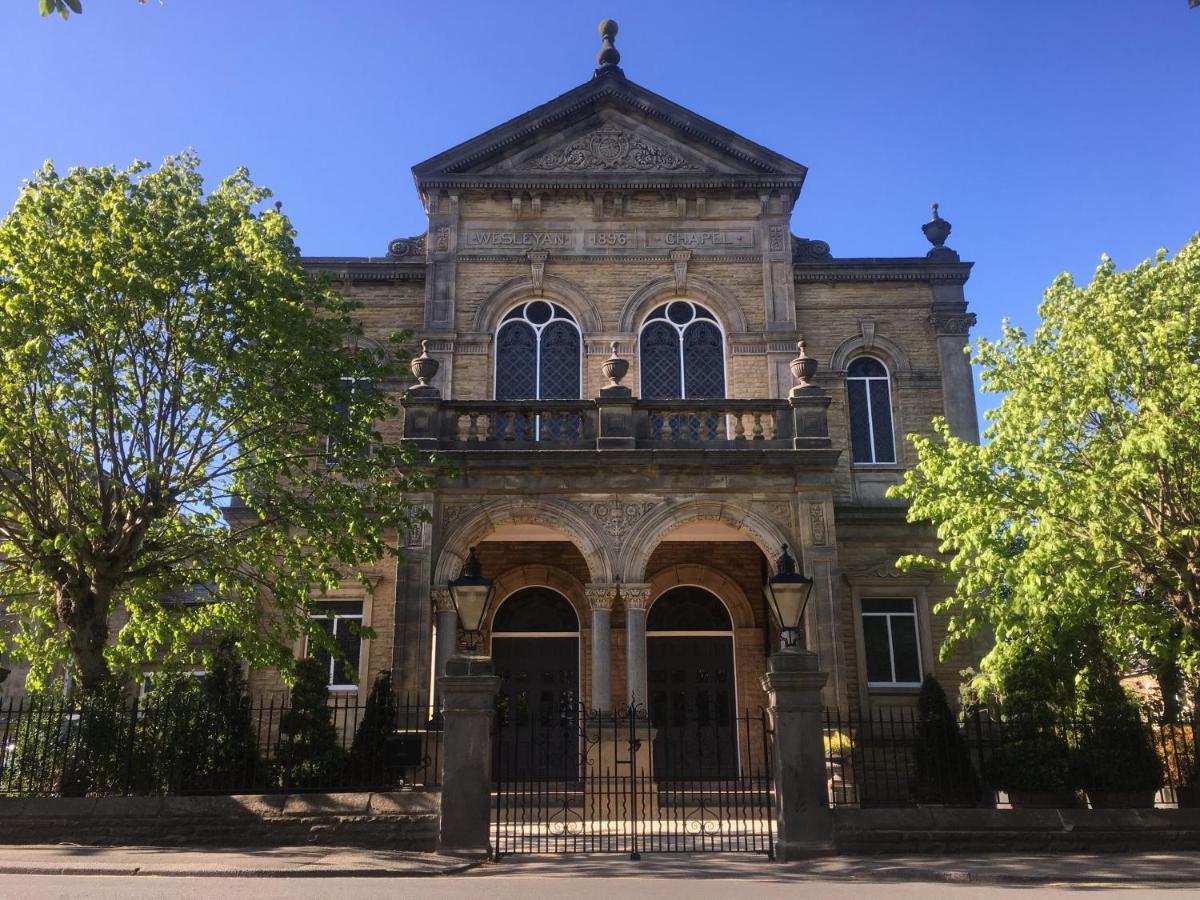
column 511, row 887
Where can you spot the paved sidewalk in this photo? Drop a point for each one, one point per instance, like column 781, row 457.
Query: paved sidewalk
column 1126, row 869
column 264, row 862
column 340, row 862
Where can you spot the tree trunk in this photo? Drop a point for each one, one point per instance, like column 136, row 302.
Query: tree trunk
column 84, row 614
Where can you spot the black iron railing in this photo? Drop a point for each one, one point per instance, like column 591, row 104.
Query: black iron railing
column 891, row 757
column 624, row 783
column 149, row 747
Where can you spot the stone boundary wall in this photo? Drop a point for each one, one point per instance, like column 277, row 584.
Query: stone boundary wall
column 948, row 830
column 398, row 821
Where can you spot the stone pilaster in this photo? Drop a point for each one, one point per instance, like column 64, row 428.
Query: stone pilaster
column 637, row 599
column 952, row 324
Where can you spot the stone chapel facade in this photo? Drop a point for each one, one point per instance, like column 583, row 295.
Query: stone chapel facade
column 630, row 527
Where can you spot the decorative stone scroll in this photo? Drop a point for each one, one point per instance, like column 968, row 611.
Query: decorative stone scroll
column 612, row 149
column 412, row 246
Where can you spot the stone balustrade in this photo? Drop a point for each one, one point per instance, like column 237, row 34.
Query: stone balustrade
column 704, row 422
column 610, row 423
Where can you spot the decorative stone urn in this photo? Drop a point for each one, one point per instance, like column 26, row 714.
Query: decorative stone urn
column 424, row 367
column 936, row 229
column 614, row 367
column 804, row 367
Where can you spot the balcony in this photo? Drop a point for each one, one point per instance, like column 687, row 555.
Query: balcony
column 616, row 420
column 618, row 423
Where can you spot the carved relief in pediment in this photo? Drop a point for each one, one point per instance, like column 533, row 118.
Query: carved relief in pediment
column 611, row 149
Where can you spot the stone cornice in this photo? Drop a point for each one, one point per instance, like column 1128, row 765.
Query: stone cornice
column 901, row 268
column 365, row 268
column 581, row 181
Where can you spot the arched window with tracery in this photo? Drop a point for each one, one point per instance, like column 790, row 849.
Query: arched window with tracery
column 538, row 354
column 870, row 396
column 682, row 353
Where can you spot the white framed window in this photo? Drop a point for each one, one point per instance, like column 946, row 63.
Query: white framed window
column 891, row 642
column 869, row 394
column 341, row 620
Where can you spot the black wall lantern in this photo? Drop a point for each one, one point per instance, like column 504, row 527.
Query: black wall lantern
column 472, row 595
column 788, row 591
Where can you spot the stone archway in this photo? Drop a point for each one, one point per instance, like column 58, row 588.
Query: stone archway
column 558, row 515
column 646, row 535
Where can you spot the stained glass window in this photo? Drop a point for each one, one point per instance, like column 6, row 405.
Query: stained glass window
column 869, row 393
column 538, row 355
column 682, row 353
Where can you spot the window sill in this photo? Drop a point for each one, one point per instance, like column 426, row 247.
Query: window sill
column 893, row 689
column 341, row 688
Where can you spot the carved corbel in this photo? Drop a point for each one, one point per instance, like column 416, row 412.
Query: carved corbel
column 679, row 259
column 537, row 269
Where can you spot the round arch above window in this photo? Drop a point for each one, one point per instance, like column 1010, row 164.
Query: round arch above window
column 681, row 351
column 539, row 353
column 533, row 610
column 688, row 608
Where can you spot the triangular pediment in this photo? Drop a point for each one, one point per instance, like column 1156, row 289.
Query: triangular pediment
column 605, row 130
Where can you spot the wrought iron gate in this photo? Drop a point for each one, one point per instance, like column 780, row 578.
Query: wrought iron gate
column 630, row 783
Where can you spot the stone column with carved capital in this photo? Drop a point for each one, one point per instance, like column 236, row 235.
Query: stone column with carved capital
column 601, row 598
column 446, row 621
column 637, row 599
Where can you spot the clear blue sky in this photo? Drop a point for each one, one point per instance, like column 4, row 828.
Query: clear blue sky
column 1050, row 132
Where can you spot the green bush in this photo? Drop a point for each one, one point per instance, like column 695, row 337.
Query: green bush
column 1036, row 763
column 369, row 752
column 1033, row 756
column 942, row 769
column 1114, row 745
column 308, row 755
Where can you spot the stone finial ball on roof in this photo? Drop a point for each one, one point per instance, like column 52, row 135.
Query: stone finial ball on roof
column 608, row 57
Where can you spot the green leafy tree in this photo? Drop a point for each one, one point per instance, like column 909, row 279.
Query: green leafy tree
column 309, row 755
column 1083, row 503
column 64, row 8
column 175, row 388
column 942, row 768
